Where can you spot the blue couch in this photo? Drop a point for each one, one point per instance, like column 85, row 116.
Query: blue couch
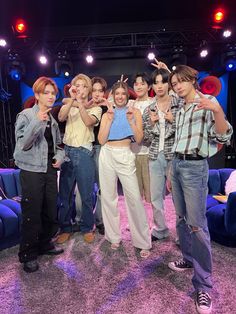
column 10, row 209
column 221, row 217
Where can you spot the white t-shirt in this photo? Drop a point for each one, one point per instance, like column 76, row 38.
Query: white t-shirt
column 141, row 105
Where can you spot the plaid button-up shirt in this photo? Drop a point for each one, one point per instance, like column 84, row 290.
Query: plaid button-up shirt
column 152, row 133
column 195, row 131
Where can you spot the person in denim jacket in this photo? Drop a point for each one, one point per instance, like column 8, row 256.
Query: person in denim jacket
column 38, row 156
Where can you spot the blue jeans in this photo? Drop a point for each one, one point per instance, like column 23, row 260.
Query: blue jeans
column 98, row 207
column 158, row 172
column 189, row 188
column 80, row 169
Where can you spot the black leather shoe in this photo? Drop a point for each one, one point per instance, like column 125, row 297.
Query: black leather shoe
column 101, row 229
column 53, row 251
column 158, row 239
column 31, row 266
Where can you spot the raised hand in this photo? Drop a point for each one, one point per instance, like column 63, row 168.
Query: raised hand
column 110, row 111
column 130, row 114
column 169, row 116
column 122, row 79
column 73, row 91
column 43, row 115
column 205, row 103
column 153, row 116
column 160, row 65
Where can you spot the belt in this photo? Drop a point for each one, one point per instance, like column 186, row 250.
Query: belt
column 189, row 156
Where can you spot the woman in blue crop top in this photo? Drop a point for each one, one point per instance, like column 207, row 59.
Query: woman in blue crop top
column 116, row 160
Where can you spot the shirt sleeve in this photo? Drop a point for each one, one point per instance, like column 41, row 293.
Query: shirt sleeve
column 97, row 113
column 213, row 135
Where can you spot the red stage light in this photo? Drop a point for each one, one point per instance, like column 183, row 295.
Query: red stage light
column 219, row 15
column 20, row 26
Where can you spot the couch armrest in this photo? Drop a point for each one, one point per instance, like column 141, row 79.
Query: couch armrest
column 230, row 214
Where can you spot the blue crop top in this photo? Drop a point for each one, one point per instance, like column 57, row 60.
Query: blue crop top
column 120, row 128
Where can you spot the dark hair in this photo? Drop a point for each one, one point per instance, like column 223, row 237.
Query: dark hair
column 164, row 74
column 185, row 73
column 101, row 81
column 144, row 76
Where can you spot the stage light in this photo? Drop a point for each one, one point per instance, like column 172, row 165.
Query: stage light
column 219, row 15
column 63, row 68
column 178, row 57
column 43, row 59
column 203, row 53
column 3, row 42
column 229, row 58
column 227, row 33
column 20, row 28
column 151, row 56
column 89, row 58
column 15, row 74
column 230, row 64
column 63, row 65
column 15, row 68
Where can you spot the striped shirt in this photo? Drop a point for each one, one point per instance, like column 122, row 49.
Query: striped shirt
column 195, row 131
column 152, row 133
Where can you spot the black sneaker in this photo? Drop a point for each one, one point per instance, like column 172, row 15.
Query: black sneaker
column 31, row 266
column 101, row 229
column 203, row 302
column 180, row 265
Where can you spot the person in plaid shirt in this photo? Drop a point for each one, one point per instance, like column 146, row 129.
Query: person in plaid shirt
column 159, row 126
column 200, row 125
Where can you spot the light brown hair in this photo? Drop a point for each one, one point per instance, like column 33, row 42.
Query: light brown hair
column 84, row 78
column 41, row 83
column 185, row 73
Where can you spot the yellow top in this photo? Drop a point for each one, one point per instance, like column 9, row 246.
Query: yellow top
column 77, row 133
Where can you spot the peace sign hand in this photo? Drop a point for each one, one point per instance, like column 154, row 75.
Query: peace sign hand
column 122, row 79
column 153, row 116
column 43, row 115
column 169, row 116
column 205, row 103
column 110, row 111
column 160, row 65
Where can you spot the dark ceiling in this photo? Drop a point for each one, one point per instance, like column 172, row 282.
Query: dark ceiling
column 66, row 13
column 114, row 26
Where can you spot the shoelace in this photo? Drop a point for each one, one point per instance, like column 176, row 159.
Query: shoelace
column 203, row 298
column 180, row 263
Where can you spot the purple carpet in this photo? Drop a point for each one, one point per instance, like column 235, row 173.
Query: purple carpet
column 91, row 278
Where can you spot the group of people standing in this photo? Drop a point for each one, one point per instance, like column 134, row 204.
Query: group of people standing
column 140, row 142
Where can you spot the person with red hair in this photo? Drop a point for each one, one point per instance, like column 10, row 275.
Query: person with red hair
column 38, row 156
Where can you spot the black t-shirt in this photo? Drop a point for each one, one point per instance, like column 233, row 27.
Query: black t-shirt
column 49, row 139
column 96, row 128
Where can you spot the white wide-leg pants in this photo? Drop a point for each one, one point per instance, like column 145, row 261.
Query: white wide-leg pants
column 114, row 163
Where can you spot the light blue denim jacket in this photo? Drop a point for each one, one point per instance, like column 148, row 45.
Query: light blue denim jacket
column 31, row 150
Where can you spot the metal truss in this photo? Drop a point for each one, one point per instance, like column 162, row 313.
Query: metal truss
column 163, row 40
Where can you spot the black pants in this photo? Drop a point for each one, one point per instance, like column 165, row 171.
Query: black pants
column 39, row 212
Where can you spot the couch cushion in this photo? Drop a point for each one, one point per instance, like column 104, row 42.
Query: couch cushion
column 211, row 202
column 9, row 220
column 13, row 205
column 9, row 182
column 214, row 185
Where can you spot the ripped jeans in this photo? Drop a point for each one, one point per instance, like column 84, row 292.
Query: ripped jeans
column 189, row 189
